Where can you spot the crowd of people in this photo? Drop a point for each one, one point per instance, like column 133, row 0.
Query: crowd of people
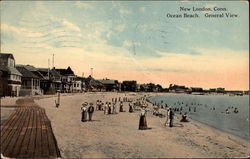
column 139, row 104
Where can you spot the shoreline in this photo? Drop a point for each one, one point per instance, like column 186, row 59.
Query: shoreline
column 204, row 123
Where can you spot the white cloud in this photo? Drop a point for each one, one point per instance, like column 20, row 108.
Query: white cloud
column 83, row 5
column 70, row 25
column 19, row 31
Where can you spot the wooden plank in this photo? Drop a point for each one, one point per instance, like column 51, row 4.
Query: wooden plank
column 45, row 143
column 17, row 148
column 28, row 133
column 6, row 122
column 32, row 140
column 16, row 134
column 11, row 130
column 53, row 147
column 24, row 149
column 38, row 146
column 5, row 128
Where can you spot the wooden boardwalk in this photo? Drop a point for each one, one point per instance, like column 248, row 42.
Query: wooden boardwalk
column 28, row 133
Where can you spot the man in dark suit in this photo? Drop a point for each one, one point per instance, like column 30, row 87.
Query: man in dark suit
column 91, row 111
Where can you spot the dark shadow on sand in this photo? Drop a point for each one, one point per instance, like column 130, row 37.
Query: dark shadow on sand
column 178, row 125
column 93, row 121
column 145, row 129
column 8, row 106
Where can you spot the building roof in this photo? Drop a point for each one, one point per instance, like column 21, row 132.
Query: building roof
column 66, row 72
column 80, row 78
column 26, row 73
column 13, row 71
column 108, row 81
column 55, row 73
column 28, row 67
column 92, row 82
column 43, row 71
column 6, row 55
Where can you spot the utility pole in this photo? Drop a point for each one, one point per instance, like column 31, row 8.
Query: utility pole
column 48, row 67
column 91, row 72
column 53, row 61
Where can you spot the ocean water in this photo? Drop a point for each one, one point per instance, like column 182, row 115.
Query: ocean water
column 211, row 110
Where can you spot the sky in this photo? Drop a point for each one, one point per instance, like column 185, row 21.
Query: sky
column 132, row 40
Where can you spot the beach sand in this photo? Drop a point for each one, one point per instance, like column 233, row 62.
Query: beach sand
column 117, row 136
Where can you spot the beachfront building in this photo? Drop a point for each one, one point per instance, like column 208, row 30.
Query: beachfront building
column 79, row 85
column 10, row 77
column 93, row 85
column 30, row 82
column 56, row 79
column 3, row 81
column 178, row 89
column 67, row 78
column 196, row 89
column 50, row 80
column 110, row 85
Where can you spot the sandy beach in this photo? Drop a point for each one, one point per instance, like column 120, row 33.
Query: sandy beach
column 117, row 136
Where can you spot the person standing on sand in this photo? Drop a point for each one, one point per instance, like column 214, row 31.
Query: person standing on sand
column 109, row 108
column 114, row 108
column 167, row 115
column 84, row 112
column 171, row 117
column 97, row 105
column 121, row 107
column 106, row 108
column 143, row 121
column 91, row 111
column 102, row 106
